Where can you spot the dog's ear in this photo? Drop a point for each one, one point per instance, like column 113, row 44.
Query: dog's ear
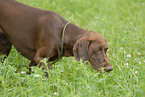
column 80, row 49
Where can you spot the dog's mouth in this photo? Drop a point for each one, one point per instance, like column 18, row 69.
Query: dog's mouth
column 103, row 66
column 96, row 67
column 109, row 68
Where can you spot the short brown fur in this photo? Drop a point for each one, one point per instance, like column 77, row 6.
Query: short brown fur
column 37, row 34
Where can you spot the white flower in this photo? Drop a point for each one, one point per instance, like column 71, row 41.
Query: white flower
column 23, row 72
column 121, row 48
column 107, row 50
column 126, row 64
column 135, row 59
column 55, row 93
column 54, row 66
column 36, row 75
column 43, row 79
column 139, row 62
column 138, row 53
column 136, row 72
column 32, row 70
column 128, row 56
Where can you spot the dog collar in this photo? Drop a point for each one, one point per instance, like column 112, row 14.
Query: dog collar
column 61, row 52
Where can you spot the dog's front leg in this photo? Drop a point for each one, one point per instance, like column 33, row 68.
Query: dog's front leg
column 44, row 67
column 40, row 55
column 32, row 63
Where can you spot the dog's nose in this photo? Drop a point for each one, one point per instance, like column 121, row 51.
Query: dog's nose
column 108, row 68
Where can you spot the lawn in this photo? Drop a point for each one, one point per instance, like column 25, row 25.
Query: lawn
column 121, row 22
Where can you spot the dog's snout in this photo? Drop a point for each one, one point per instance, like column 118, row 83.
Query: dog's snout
column 108, row 68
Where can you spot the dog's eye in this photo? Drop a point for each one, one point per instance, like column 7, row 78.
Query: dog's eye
column 98, row 50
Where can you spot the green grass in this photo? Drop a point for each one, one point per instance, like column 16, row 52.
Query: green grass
column 121, row 22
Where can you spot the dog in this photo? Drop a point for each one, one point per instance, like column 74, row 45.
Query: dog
column 5, row 45
column 38, row 34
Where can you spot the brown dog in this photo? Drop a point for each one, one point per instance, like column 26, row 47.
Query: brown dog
column 37, row 34
column 5, row 45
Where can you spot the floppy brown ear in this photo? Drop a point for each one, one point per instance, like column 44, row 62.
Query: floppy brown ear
column 80, row 49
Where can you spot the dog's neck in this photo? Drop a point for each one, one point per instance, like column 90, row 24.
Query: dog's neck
column 72, row 34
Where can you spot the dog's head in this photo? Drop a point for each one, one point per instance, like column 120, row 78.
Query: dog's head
column 93, row 47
